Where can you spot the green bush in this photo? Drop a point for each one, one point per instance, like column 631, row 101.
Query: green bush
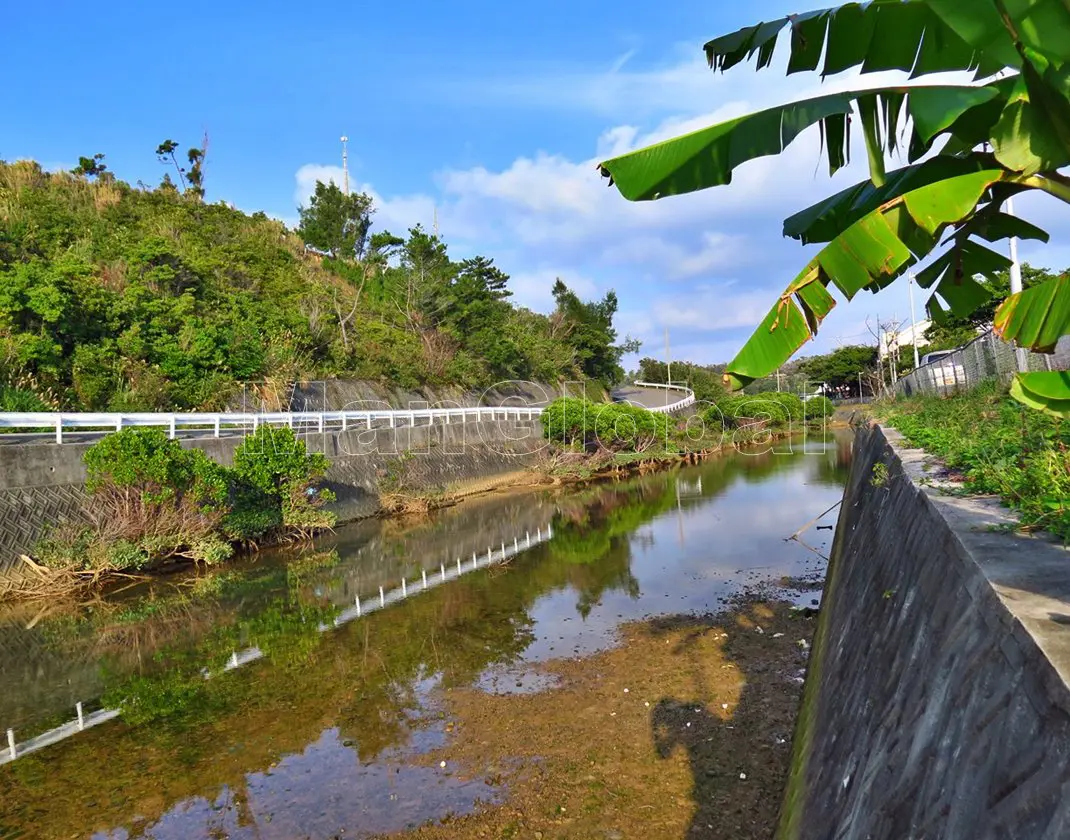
column 151, row 500
column 819, row 408
column 615, row 426
column 622, row 426
column 276, row 463
column 149, row 463
column 567, row 420
column 740, row 409
column 791, row 403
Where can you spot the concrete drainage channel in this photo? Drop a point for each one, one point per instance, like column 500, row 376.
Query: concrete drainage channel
column 937, row 701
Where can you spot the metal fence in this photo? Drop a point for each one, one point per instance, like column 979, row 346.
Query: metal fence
column 986, row 358
column 219, row 423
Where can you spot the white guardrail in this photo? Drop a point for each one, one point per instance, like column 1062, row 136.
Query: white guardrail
column 320, row 421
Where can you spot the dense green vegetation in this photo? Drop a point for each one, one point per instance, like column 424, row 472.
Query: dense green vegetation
column 121, row 298
column 772, row 409
column 153, row 501
column 999, row 447
column 572, row 421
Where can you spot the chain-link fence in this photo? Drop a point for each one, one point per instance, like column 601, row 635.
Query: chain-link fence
column 985, row 358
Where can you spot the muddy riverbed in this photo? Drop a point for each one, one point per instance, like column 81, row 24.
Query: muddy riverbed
column 621, row 661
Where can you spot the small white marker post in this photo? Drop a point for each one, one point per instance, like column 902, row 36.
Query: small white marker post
column 81, row 720
column 503, row 549
column 382, row 599
column 425, row 578
column 404, row 591
column 442, row 568
column 458, row 565
column 11, row 742
column 516, row 544
column 358, row 605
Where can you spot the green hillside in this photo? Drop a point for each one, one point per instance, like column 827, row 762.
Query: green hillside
column 123, row 298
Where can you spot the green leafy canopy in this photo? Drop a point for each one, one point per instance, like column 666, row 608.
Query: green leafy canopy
column 969, row 149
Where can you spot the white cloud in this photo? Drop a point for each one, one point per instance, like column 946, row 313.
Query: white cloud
column 707, row 265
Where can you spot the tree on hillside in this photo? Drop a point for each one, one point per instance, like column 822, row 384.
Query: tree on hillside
column 90, row 167
column 970, row 148
column 191, row 179
column 335, row 222
column 588, row 328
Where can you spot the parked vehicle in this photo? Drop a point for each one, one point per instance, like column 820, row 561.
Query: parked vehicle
column 941, row 369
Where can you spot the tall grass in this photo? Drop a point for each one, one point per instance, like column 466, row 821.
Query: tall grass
column 999, row 447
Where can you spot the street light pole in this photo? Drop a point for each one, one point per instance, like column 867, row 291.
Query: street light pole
column 913, row 324
column 1021, row 355
column 345, row 165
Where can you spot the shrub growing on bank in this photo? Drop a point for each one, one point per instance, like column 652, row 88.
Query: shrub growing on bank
column 614, row 426
column 736, row 410
column 818, row 408
column 151, row 501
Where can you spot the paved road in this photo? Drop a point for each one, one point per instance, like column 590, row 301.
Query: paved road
column 647, row 397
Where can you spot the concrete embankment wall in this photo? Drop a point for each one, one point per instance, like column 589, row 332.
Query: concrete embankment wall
column 936, row 700
column 42, row 483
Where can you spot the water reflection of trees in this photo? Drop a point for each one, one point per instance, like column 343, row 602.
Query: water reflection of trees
column 363, row 679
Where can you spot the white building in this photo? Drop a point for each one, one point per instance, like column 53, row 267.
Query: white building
column 898, row 342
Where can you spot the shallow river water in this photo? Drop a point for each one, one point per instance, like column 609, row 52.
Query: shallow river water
column 396, row 674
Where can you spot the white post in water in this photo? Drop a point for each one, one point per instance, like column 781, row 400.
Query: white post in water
column 442, row 568
column 358, row 606
column 382, row 598
column 425, row 578
column 81, row 720
column 11, row 742
column 404, row 592
column 1021, row 355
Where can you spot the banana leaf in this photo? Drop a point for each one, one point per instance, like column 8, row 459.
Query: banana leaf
column 707, row 157
column 1047, row 391
column 870, row 253
column 911, row 35
column 1037, row 317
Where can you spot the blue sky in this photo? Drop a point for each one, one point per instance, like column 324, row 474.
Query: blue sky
column 493, row 113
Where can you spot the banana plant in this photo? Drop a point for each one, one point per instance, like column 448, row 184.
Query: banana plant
column 969, row 148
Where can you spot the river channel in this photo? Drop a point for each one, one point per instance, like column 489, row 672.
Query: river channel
column 613, row 661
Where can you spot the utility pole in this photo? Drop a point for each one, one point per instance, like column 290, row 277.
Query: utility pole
column 668, row 362
column 860, row 386
column 913, row 323
column 778, row 380
column 1021, row 355
column 345, row 165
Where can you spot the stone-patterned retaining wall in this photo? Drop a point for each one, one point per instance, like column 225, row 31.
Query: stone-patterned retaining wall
column 41, row 484
column 936, row 701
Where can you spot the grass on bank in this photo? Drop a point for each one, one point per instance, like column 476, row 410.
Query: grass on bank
column 999, row 447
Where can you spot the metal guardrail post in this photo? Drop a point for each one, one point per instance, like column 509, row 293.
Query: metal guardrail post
column 171, row 427
column 59, row 439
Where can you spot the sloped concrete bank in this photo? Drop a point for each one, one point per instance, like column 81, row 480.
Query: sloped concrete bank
column 936, row 702
column 42, row 484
